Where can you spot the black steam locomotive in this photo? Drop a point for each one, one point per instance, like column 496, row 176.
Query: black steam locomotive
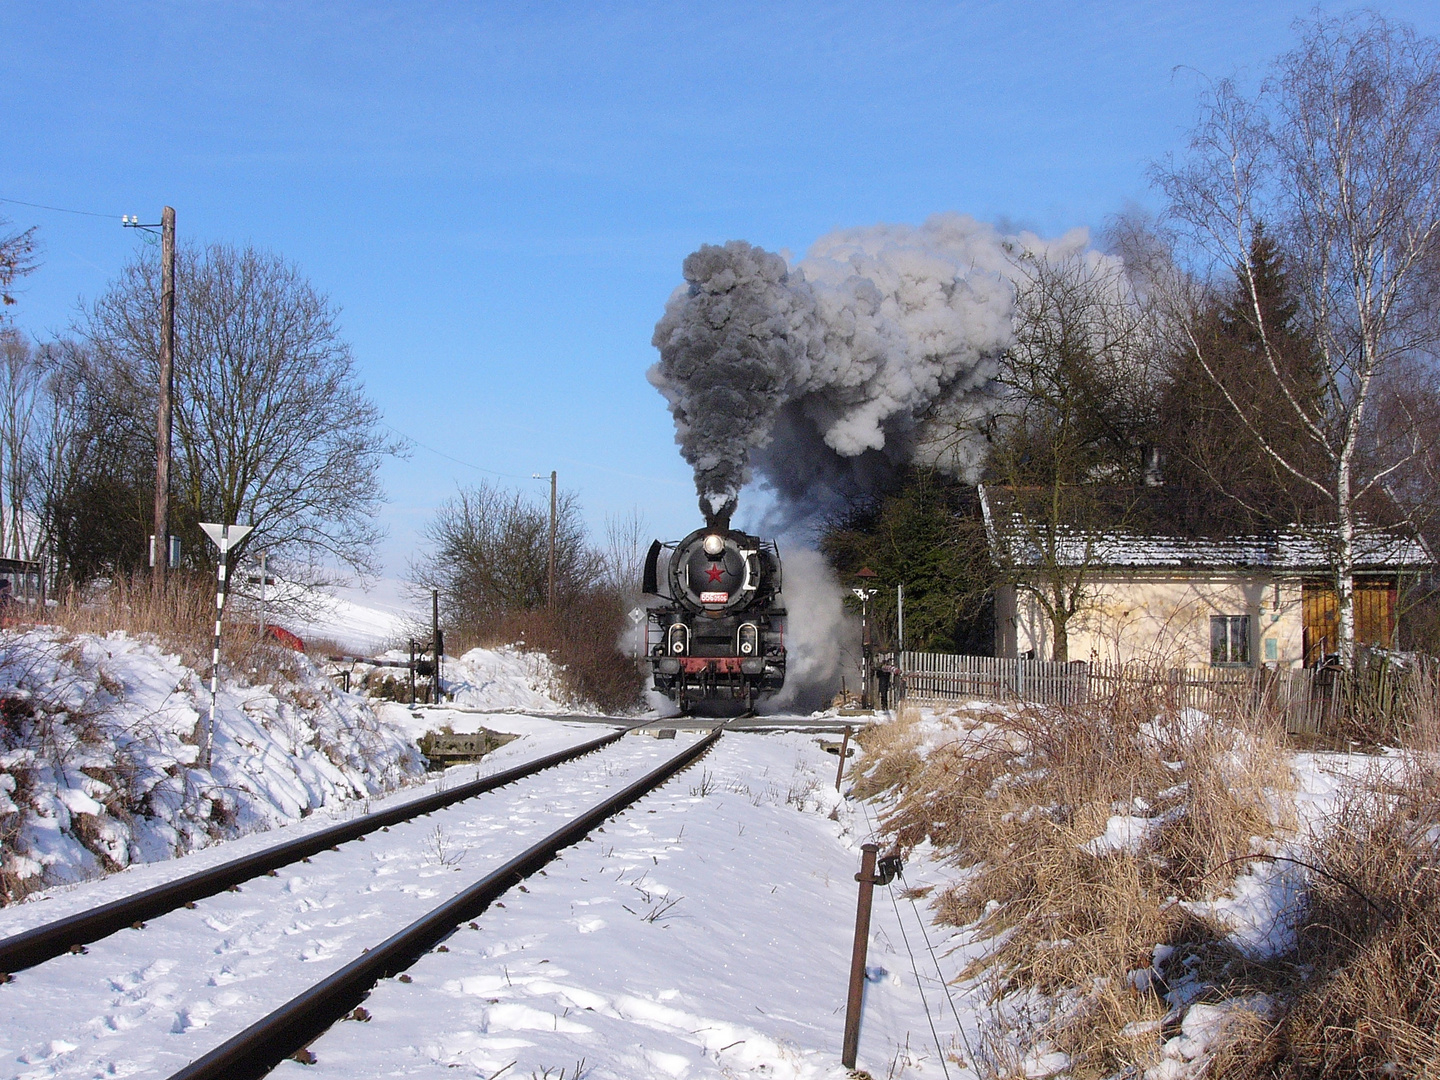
column 717, row 642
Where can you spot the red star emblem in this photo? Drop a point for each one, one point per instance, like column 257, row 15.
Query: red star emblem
column 715, row 574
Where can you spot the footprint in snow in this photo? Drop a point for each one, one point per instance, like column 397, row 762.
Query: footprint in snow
column 55, row 1048
column 320, row 949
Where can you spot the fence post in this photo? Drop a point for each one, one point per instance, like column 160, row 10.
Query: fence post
column 844, row 749
column 856, row 998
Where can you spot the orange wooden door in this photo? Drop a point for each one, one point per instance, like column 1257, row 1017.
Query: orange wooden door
column 1320, row 613
column 1375, row 612
column 1374, row 600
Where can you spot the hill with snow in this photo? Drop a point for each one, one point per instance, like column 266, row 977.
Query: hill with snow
column 98, row 754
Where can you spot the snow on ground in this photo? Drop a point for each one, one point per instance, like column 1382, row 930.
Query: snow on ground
column 365, row 620
column 144, row 1004
column 504, row 678
column 536, row 738
column 98, row 754
column 705, row 933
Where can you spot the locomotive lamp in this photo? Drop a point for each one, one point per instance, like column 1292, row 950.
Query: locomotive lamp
column 714, row 544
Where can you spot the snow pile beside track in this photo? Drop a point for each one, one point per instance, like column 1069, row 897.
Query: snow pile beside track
column 505, row 679
column 98, row 754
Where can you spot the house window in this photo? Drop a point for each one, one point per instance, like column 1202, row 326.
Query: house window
column 1229, row 639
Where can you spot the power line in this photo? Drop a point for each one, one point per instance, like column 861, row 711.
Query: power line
column 451, row 457
column 57, row 209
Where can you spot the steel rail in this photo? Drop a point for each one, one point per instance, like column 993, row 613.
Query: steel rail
column 49, row 940
column 267, row 1042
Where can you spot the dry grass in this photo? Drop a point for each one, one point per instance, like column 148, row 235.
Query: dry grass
column 181, row 621
column 583, row 639
column 1014, row 804
column 1363, row 999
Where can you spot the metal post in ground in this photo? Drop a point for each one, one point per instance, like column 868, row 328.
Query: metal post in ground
column 856, row 999
column 412, row 671
column 435, row 645
column 225, row 538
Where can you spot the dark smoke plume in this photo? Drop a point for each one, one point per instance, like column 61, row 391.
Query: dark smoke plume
column 728, row 345
column 878, row 350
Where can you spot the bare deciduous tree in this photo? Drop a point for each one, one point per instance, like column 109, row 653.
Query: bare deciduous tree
column 21, row 393
column 1339, row 152
column 1077, row 398
column 489, row 555
column 17, row 258
column 627, row 539
column 272, row 426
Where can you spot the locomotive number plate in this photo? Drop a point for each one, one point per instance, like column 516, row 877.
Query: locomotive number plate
column 714, row 597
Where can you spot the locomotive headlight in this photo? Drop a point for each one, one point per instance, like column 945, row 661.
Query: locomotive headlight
column 714, row 544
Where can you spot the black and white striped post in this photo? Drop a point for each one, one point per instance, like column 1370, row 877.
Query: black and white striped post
column 225, row 538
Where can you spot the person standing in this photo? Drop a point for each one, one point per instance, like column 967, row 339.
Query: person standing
column 882, row 678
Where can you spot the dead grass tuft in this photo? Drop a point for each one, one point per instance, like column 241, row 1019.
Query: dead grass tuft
column 1364, row 999
column 1018, row 802
column 181, row 621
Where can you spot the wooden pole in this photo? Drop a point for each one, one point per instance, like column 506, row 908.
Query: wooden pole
column 844, row 749
column 856, row 999
column 550, row 588
column 435, row 646
column 167, row 387
column 412, row 671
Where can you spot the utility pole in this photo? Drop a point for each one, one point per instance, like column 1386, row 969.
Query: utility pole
column 167, row 389
column 435, row 649
column 550, row 575
column 550, row 588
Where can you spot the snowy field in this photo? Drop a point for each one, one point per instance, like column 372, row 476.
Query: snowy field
column 704, row 933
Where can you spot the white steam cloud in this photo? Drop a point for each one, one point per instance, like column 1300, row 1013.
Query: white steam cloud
column 877, row 350
column 821, row 640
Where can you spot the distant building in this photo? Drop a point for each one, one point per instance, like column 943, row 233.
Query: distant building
column 1157, row 586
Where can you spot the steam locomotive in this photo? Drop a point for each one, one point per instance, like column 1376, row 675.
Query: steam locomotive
column 716, row 643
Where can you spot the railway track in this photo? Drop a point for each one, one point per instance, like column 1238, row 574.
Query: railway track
column 286, row 1030
column 46, row 942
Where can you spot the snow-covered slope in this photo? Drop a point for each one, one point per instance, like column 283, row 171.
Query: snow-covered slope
column 98, row 754
column 365, row 620
column 504, row 678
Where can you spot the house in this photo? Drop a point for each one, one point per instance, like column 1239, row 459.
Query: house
column 1152, row 580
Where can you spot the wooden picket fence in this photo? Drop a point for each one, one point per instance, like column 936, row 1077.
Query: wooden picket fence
column 1308, row 697
column 997, row 678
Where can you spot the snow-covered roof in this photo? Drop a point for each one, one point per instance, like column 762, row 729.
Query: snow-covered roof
column 1292, row 548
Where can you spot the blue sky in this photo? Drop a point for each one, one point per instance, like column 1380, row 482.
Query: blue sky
column 499, row 197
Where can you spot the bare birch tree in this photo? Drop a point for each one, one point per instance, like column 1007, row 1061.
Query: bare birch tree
column 1339, row 153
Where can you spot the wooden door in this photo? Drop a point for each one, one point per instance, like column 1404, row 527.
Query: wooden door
column 1320, row 613
column 1375, row 612
column 1374, row 600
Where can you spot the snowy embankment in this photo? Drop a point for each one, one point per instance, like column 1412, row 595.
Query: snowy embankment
column 1184, row 1006
column 499, row 680
column 98, row 754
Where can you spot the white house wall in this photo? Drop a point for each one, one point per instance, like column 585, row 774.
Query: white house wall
column 1161, row 618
